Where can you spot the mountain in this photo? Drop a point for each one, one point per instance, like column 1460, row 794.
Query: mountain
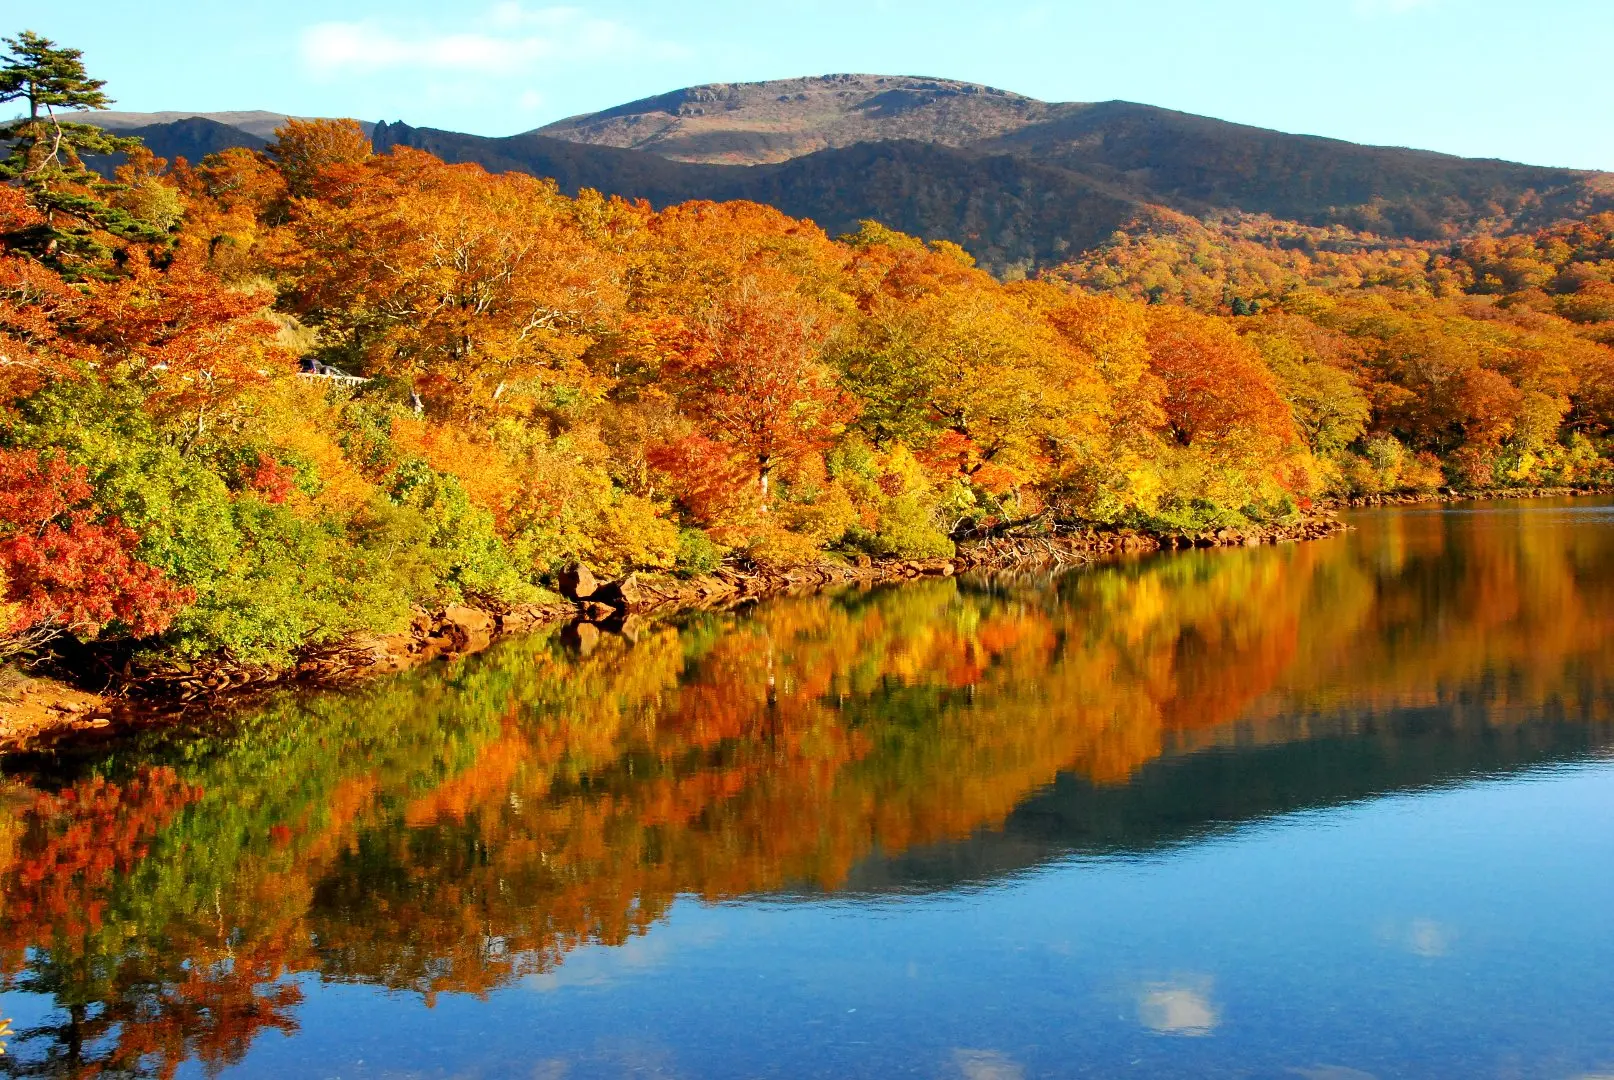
column 1007, row 211
column 192, row 138
column 1019, row 182
column 1182, row 799
column 1194, row 163
column 763, row 122
column 253, row 122
column 1189, row 163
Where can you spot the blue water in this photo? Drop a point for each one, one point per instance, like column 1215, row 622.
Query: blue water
column 1458, row 932
column 1363, row 871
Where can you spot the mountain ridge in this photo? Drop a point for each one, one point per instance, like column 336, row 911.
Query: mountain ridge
column 754, row 123
column 258, row 122
column 1008, row 212
column 1019, row 182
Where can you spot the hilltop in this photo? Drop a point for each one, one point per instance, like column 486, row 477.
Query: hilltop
column 765, row 122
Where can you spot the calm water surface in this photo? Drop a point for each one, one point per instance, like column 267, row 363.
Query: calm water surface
column 1328, row 811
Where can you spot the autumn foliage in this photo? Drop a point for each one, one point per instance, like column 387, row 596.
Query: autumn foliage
column 525, row 378
column 1480, row 363
column 68, row 569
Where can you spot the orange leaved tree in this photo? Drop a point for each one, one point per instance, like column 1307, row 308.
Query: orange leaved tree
column 752, row 374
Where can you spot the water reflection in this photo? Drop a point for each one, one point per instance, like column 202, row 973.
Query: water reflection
column 461, row 830
column 1178, row 1009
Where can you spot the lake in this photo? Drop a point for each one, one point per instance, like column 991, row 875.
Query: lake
column 1329, row 811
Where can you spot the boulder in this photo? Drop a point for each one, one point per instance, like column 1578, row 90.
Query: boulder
column 519, row 620
column 625, row 625
column 577, row 582
column 624, row 594
column 469, row 629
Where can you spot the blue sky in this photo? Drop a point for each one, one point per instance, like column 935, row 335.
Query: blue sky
column 1495, row 78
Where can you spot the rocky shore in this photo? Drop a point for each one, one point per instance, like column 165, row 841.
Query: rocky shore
column 1451, row 495
column 43, row 708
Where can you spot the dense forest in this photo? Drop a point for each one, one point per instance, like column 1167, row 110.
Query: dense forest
column 276, row 397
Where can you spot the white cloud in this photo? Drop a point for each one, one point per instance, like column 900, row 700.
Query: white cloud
column 506, row 39
column 1421, row 937
column 602, row 965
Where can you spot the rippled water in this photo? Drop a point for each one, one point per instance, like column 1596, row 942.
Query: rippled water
column 1330, row 811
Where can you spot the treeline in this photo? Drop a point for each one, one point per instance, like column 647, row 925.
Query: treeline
column 1480, row 364
column 538, row 379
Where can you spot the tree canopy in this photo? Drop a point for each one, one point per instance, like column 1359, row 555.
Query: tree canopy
column 536, row 379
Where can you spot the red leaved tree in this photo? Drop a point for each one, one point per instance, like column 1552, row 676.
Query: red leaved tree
column 714, row 490
column 1215, row 384
column 67, row 568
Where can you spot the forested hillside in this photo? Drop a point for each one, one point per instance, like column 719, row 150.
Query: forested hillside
column 1019, row 183
column 539, row 378
column 1009, row 213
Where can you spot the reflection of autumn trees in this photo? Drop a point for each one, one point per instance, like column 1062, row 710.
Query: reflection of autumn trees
column 1466, row 611
column 464, row 827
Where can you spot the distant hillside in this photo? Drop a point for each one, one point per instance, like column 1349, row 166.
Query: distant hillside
column 1194, row 163
column 1007, row 211
column 193, row 138
column 253, row 122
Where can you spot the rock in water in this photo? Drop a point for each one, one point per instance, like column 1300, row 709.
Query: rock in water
column 624, row 594
column 577, row 582
column 469, row 629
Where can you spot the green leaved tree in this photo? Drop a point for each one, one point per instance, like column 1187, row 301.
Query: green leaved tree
column 45, row 160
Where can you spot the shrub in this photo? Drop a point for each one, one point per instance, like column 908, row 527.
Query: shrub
column 697, row 554
column 292, row 583
column 906, row 529
column 466, row 553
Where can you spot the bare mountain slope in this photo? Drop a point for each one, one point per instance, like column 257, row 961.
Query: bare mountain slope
column 756, row 123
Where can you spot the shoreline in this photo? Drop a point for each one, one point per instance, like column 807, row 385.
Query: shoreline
column 47, row 709
column 1451, row 495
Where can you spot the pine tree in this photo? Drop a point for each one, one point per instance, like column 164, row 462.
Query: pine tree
column 46, row 161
